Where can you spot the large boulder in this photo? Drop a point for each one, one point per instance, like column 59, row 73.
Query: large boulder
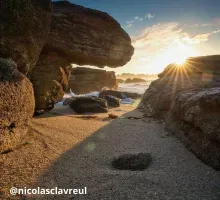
column 89, row 105
column 195, row 118
column 84, row 80
column 24, row 27
column 176, row 78
column 187, row 97
column 80, row 36
column 88, row 37
column 50, row 80
column 16, row 105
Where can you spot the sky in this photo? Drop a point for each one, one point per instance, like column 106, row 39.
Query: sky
column 164, row 31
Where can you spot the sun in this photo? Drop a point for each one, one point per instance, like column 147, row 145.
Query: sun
column 176, row 53
column 180, row 60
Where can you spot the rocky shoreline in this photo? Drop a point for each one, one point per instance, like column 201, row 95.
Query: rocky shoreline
column 39, row 42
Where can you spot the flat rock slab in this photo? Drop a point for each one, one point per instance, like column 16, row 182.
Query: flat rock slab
column 133, row 162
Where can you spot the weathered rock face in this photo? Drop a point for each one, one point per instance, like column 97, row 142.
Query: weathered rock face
column 24, row 26
column 174, row 79
column 89, row 105
column 85, row 80
column 81, row 36
column 88, row 37
column 188, row 98
column 195, row 118
column 16, row 104
column 50, row 80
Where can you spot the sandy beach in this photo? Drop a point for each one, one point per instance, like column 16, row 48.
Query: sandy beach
column 68, row 151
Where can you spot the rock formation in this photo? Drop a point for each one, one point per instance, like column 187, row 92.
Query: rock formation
column 50, row 80
column 16, row 104
column 89, row 105
column 81, row 36
column 120, row 80
column 187, row 96
column 88, row 37
column 24, row 26
column 112, row 101
column 85, row 80
column 135, row 80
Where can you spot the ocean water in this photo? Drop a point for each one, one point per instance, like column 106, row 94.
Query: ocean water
column 139, row 88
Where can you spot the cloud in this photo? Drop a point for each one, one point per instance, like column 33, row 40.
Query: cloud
column 214, row 32
column 158, row 45
column 164, row 34
column 200, row 38
column 149, row 16
column 200, row 25
column 139, row 18
column 129, row 25
column 158, row 34
column 130, row 22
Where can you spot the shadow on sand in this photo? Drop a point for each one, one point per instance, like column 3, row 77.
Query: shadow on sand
column 174, row 172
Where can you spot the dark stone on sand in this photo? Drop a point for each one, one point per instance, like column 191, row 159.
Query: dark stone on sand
column 89, row 105
column 112, row 116
column 112, row 101
column 133, row 162
column 68, row 101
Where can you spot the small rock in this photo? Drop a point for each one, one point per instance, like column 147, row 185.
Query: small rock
column 133, row 162
column 112, row 101
column 112, row 116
